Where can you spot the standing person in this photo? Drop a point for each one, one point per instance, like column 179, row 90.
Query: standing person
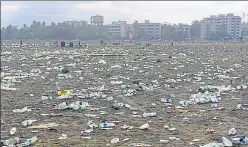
column 21, row 43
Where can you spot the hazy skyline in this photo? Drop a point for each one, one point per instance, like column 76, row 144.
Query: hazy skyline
column 24, row 12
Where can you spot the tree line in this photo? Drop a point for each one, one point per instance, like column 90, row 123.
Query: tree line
column 61, row 31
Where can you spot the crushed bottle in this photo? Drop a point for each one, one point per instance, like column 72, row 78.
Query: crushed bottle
column 30, row 141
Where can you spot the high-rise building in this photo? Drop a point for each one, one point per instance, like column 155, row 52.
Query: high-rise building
column 183, row 27
column 119, row 28
column 76, row 23
column 96, row 20
column 151, row 29
column 213, row 24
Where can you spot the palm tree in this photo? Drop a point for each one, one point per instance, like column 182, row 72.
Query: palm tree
column 43, row 23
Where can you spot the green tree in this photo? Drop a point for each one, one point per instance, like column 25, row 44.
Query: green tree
column 53, row 24
column 43, row 23
column 195, row 29
column 168, row 32
column 9, row 33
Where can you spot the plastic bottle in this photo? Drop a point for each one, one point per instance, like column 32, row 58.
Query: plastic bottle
column 152, row 114
column 226, row 142
column 22, row 110
column 46, row 97
column 184, row 103
column 30, row 141
column 61, row 106
column 78, row 105
column 106, row 124
column 64, row 92
column 90, row 115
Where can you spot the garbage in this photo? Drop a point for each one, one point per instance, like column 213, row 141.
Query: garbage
column 144, row 127
column 115, row 140
column 186, row 120
column 239, row 140
column 226, row 142
column 65, row 70
column 242, row 106
column 61, row 106
column 46, row 97
column 164, row 141
column 102, row 62
column 64, row 136
column 139, row 145
column 106, row 90
column 25, row 109
column 65, row 92
column 232, row 131
column 30, row 141
column 152, row 114
column 172, row 138
column 12, row 131
column 210, row 130
column 172, row 129
column 78, row 105
column 106, row 124
column 11, row 141
column 167, row 100
column 2, row 122
column 196, row 140
column 241, row 87
column 86, row 132
column 44, row 126
column 28, row 122
column 126, row 139
column 213, row 145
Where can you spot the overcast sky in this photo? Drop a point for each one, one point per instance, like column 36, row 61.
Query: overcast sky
column 24, row 12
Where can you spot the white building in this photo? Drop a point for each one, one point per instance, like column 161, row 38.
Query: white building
column 183, row 27
column 152, row 29
column 244, row 27
column 119, row 28
column 212, row 25
column 96, row 20
column 76, row 23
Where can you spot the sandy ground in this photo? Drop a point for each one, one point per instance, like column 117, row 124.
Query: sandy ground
column 137, row 62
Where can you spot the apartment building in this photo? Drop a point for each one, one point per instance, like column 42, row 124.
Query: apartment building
column 183, row 27
column 96, row 20
column 152, row 29
column 76, row 23
column 119, row 28
column 244, row 27
column 213, row 23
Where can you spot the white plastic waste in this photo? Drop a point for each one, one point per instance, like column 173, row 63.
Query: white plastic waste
column 25, row 109
column 115, row 140
column 226, row 142
column 232, row 131
column 12, row 131
column 144, row 127
column 28, row 122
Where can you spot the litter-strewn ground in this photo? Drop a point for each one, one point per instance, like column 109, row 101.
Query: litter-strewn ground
column 108, row 77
